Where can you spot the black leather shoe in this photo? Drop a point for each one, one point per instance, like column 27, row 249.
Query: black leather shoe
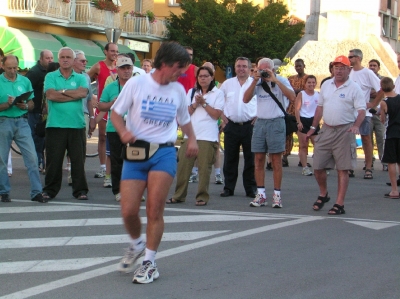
column 251, row 195
column 398, row 183
column 226, row 193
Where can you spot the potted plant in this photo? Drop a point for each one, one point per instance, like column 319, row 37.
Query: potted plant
column 149, row 14
column 106, row 5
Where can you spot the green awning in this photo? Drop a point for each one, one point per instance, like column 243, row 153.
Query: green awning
column 121, row 49
column 27, row 45
column 92, row 51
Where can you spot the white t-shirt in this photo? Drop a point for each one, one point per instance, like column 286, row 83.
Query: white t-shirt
column 266, row 106
column 204, row 126
column 397, row 85
column 340, row 104
column 367, row 80
column 153, row 109
column 235, row 109
column 308, row 104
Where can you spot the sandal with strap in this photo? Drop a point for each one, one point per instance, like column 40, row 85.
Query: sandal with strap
column 319, row 204
column 368, row 174
column 337, row 210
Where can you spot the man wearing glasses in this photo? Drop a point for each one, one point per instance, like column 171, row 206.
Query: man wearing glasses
column 339, row 101
column 237, row 124
column 366, row 80
column 269, row 134
column 80, row 67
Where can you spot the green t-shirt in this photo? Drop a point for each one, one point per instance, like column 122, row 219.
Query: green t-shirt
column 14, row 89
column 110, row 92
column 65, row 114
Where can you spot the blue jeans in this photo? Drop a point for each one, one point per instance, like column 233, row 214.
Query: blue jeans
column 33, row 119
column 18, row 129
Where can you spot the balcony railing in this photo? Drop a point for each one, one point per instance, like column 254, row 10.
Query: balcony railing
column 83, row 13
column 141, row 26
column 49, row 8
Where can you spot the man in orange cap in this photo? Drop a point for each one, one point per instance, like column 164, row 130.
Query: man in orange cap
column 339, row 99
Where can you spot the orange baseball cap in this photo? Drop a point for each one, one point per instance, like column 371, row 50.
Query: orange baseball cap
column 342, row 59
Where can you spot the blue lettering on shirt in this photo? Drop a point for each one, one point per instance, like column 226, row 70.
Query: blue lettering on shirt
column 342, row 96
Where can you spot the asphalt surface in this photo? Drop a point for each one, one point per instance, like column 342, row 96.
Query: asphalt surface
column 70, row 249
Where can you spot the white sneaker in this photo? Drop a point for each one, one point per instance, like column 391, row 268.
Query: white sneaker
column 218, row 179
column 118, row 197
column 146, row 273
column 130, row 258
column 107, row 181
column 193, row 178
column 276, row 201
column 259, row 201
column 306, row 171
column 143, row 198
column 101, row 173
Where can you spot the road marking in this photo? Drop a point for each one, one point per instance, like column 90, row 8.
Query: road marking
column 53, row 265
column 373, row 225
column 96, row 240
column 46, row 287
column 118, row 221
column 48, row 209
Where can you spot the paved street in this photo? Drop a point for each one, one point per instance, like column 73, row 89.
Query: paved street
column 69, row 248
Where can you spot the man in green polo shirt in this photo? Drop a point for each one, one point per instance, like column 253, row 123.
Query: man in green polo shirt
column 65, row 128
column 108, row 97
column 14, row 126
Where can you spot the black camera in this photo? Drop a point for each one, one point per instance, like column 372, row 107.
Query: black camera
column 264, row 74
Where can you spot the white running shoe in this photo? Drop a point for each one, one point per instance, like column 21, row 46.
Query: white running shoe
column 146, row 273
column 101, row 173
column 306, row 171
column 130, row 258
column 276, row 201
column 218, row 179
column 193, row 178
column 118, row 197
column 259, row 201
column 107, row 181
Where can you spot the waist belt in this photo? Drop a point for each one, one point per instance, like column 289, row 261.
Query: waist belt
column 241, row 123
column 22, row 116
column 168, row 144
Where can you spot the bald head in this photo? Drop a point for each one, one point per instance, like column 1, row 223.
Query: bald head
column 210, row 65
column 46, row 56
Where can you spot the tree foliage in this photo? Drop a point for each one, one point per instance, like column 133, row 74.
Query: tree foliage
column 220, row 32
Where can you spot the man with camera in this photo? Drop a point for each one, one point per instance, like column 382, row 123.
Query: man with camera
column 269, row 132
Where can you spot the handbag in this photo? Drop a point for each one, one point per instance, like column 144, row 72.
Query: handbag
column 40, row 127
column 290, row 120
column 139, row 151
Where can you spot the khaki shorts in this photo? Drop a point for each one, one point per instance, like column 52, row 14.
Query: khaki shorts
column 335, row 146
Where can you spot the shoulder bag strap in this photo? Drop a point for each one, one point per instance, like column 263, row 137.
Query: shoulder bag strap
column 265, row 86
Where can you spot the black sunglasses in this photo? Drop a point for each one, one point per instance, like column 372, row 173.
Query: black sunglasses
column 350, row 57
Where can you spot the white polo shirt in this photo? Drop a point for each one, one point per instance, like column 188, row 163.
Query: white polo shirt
column 340, row 104
column 235, row 109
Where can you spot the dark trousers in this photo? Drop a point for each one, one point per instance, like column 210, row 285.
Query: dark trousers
column 235, row 136
column 33, row 120
column 116, row 147
column 59, row 140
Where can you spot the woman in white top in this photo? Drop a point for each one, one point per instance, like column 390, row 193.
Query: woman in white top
column 205, row 104
column 305, row 105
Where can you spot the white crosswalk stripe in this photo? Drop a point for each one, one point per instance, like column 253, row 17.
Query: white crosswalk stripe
column 64, row 211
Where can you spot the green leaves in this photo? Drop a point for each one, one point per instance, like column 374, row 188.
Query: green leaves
column 220, row 32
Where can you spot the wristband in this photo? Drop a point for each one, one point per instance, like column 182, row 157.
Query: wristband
column 26, row 106
column 312, row 127
column 92, row 117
